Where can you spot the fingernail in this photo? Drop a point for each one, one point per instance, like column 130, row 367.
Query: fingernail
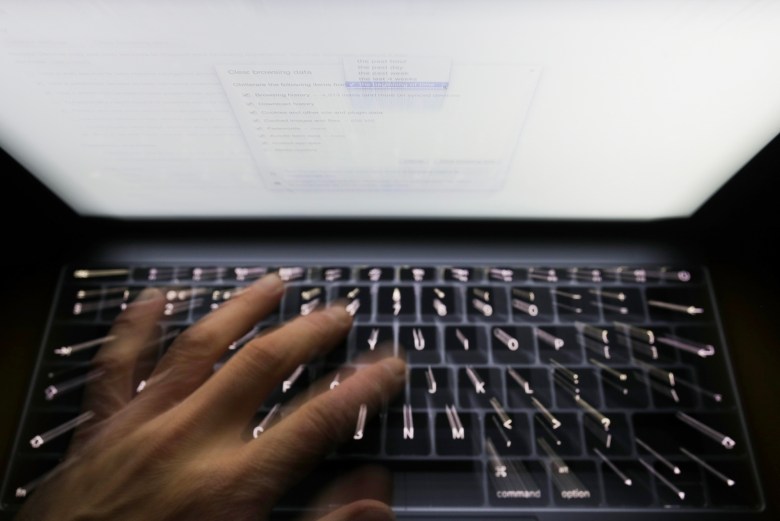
column 395, row 366
column 270, row 283
column 340, row 313
column 147, row 295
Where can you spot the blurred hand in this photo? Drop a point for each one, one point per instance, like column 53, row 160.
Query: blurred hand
column 178, row 449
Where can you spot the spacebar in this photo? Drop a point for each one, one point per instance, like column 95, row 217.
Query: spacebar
column 440, row 484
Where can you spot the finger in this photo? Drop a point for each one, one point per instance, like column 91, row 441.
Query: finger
column 368, row 487
column 362, row 510
column 236, row 391
column 112, row 379
column 190, row 359
column 294, row 446
column 323, row 384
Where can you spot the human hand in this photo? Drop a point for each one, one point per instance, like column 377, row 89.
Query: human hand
column 176, row 450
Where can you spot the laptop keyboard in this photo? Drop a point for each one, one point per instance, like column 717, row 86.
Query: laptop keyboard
column 546, row 387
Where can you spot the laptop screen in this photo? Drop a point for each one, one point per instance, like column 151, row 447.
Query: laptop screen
column 469, row 109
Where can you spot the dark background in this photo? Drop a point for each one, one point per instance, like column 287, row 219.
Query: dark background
column 734, row 234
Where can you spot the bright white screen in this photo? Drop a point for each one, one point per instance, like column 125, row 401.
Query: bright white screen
column 478, row 109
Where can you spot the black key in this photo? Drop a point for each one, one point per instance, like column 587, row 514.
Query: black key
column 291, row 273
column 576, row 303
column 586, row 383
column 617, row 493
column 38, row 423
column 396, row 301
column 303, row 300
column 669, row 395
column 668, row 433
column 630, row 393
column 545, row 274
column 522, row 483
column 679, row 304
column 211, row 299
column 366, row 441
column 504, row 274
column 418, row 274
column 689, row 481
column 245, row 273
column 26, row 473
column 336, row 274
column 566, row 440
column 420, row 344
column 559, row 342
column 477, row 385
column 486, row 303
column 376, row 273
column 510, row 441
column 358, row 299
column 199, row 273
column 620, row 303
column 462, row 274
column 466, row 344
column 457, row 433
column 431, row 387
column 744, row 490
column 294, row 384
column 408, row 433
column 368, row 338
column 512, row 345
column 76, row 343
column 84, row 302
column 153, row 274
column 589, row 275
column 101, row 274
column 531, row 304
column 440, row 303
column 523, row 383
column 116, row 299
column 568, row 493
column 614, row 440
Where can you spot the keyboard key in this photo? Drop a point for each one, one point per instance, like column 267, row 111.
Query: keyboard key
column 457, row 433
column 369, row 338
column 439, row 303
column 431, row 387
column 522, row 483
column 245, row 273
column 462, row 274
column 504, row 274
column 545, row 274
column 199, row 274
column 358, row 300
column 512, row 345
column 376, row 273
column 523, row 383
column 576, row 484
column 336, row 274
column 153, row 274
column 466, row 344
column 396, row 301
column 477, row 385
column 515, row 440
column 418, row 274
column 408, row 432
column 486, row 304
column 531, row 304
column 420, row 343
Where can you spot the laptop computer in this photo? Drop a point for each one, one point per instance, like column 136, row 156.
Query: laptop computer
column 522, row 151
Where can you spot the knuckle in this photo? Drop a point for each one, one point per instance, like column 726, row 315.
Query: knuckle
column 196, row 341
column 263, row 356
